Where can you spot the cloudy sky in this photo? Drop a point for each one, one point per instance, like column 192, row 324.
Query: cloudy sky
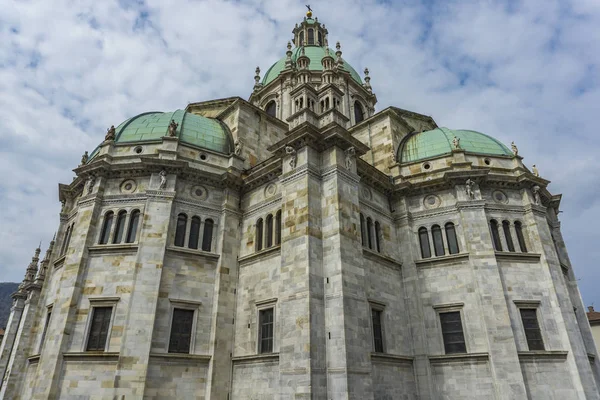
column 526, row 71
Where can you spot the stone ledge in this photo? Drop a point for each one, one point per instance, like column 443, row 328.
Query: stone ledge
column 437, row 261
column 256, row 358
column 110, row 248
column 193, row 252
column 182, row 357
column 393, row 358
column 259, row 254
column 373, row 255
column 33, row 359
column 543, row 355
column 591, row 357
column 60, row 261
column 91, row 356
column 466, row 357
column 514, row 256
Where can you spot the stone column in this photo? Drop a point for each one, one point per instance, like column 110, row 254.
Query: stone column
column 223, row 312
column 10, row 334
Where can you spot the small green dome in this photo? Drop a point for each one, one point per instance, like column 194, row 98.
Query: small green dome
column 438, row 142
column 193, row 129
column 316, row 54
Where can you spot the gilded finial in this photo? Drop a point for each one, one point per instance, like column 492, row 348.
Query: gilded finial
column 309, row 12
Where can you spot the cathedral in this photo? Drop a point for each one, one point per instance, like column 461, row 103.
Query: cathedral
column 301, row 245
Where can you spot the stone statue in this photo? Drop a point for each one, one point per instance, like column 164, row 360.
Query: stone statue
column 536, row 194
column 536, row 172
column 289, row 150
column 237, row 147
column 163, row 180
column 84, row 159
column 469, row 188
column 514, row 148
column 110, row 133
column 350, row 152
column 456, row 143
column 90, row 185
column 63, row 205
column 173, row 128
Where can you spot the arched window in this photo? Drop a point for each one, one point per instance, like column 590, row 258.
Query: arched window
column 378, row 236
column 370, row 232
column 311, row 36
column 438, row 241
column 301, row 38
column 259, row 235
column 507, row 235
column 320, row 36
column 424, row 242
column 269, row 231
column 194, row 233
column 271, row 108
column 327, row 103
column 363, row 235
column 105, row 233
column 134, row 220
column 120, row 226
column 207, row 235
column 180, row 230
column 495, row 235
column 520, row 236
column 359, row 114
column 278, row 228
column 451, row 238
column 67, row 239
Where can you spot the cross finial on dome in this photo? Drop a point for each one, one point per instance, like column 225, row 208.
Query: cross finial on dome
column 309, row 12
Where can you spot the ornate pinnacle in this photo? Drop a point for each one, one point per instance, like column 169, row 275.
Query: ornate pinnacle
column 289, row 45
column 367, row 84
column 257, row 84
column 31, row 271
column 338, row 46
column 41, row 274
column 366, row 72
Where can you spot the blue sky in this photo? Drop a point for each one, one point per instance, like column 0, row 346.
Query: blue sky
column 526, row 71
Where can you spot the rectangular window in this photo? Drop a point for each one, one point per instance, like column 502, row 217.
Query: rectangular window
column 266, row 331
column 377, row 330
column 99, row 328
column 48, row 315
column 532, row 328
column 181, row 331
column 452, row 331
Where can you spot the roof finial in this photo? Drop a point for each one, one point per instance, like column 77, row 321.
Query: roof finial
column 257, row 84
column 367, row 81
column 309, row 12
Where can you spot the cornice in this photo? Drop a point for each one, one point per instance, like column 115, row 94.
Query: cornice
column 193, row 252
column 256, row 358
column 260, row 207
column 200, row 206
column 380, row 258
column 260, row 255
column 451, row 259
column 392, row 358
column 459, row 358
column 518, row 257
column 549, row 355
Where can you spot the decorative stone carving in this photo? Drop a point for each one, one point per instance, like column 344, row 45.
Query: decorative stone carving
column 469, row 186
column 432, row 201
column 128, row 186
column 456, row 143
column 514, row 148
column 270, row 190
column 110, row 133
column 535, row 170
column 499, row 197
column 350, row 153
column 289, row 150
column 173, row 128
column 199, row 192
column 238, row 147
column 63, row 205
column 84, row 159
column 163, row 180
column 536, row 194
column 90, row 184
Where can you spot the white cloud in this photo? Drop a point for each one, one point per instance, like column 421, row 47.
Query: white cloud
column 524, row 71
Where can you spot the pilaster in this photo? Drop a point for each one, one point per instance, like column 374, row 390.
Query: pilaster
column 10, row 334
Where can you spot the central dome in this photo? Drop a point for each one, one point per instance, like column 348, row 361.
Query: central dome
column 316, row 54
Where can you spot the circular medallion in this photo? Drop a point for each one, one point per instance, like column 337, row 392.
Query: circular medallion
column 270, row 190
column 432, row 201
column 128, row 186
column 499, row 196
column 199, row 192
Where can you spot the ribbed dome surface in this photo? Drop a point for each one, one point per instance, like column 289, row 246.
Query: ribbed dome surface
column 438, row 142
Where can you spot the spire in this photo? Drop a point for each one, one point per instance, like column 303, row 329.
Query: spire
column 257, row 84
column 41, row 275
column 338, row 53
column 31, row 271
column 367, row 83
column 288, row 56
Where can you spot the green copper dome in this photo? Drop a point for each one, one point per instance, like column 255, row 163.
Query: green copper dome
column 316, row 54
column 438, row 142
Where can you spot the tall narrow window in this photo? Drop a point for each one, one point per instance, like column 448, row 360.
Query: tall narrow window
column 438, row 241
column 120, row 226
column 370, row 232
column 320, row 36
column 377, row 330
column 424, row 242
column 207, row 235
column 259, row 235
column 278, row 228
column 67, row 239
column 495, row 235
column 269, row 231
column 311, row 36
column 532, row 328
column 378, row 236
column 266, row 331
column 106, row 226
column 520, row 236
column 271, row 108
column 359, row 114
column 99, row 328
column 507, row 235
column 181, row 331
column 301, row 38
column 451, row 238
column 180, row 230
column 452, row 331
column 134, row 220
column 46, row 324
column 194, row 233
column 363, row 235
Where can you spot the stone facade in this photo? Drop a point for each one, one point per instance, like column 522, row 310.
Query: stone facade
column 315, row 218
